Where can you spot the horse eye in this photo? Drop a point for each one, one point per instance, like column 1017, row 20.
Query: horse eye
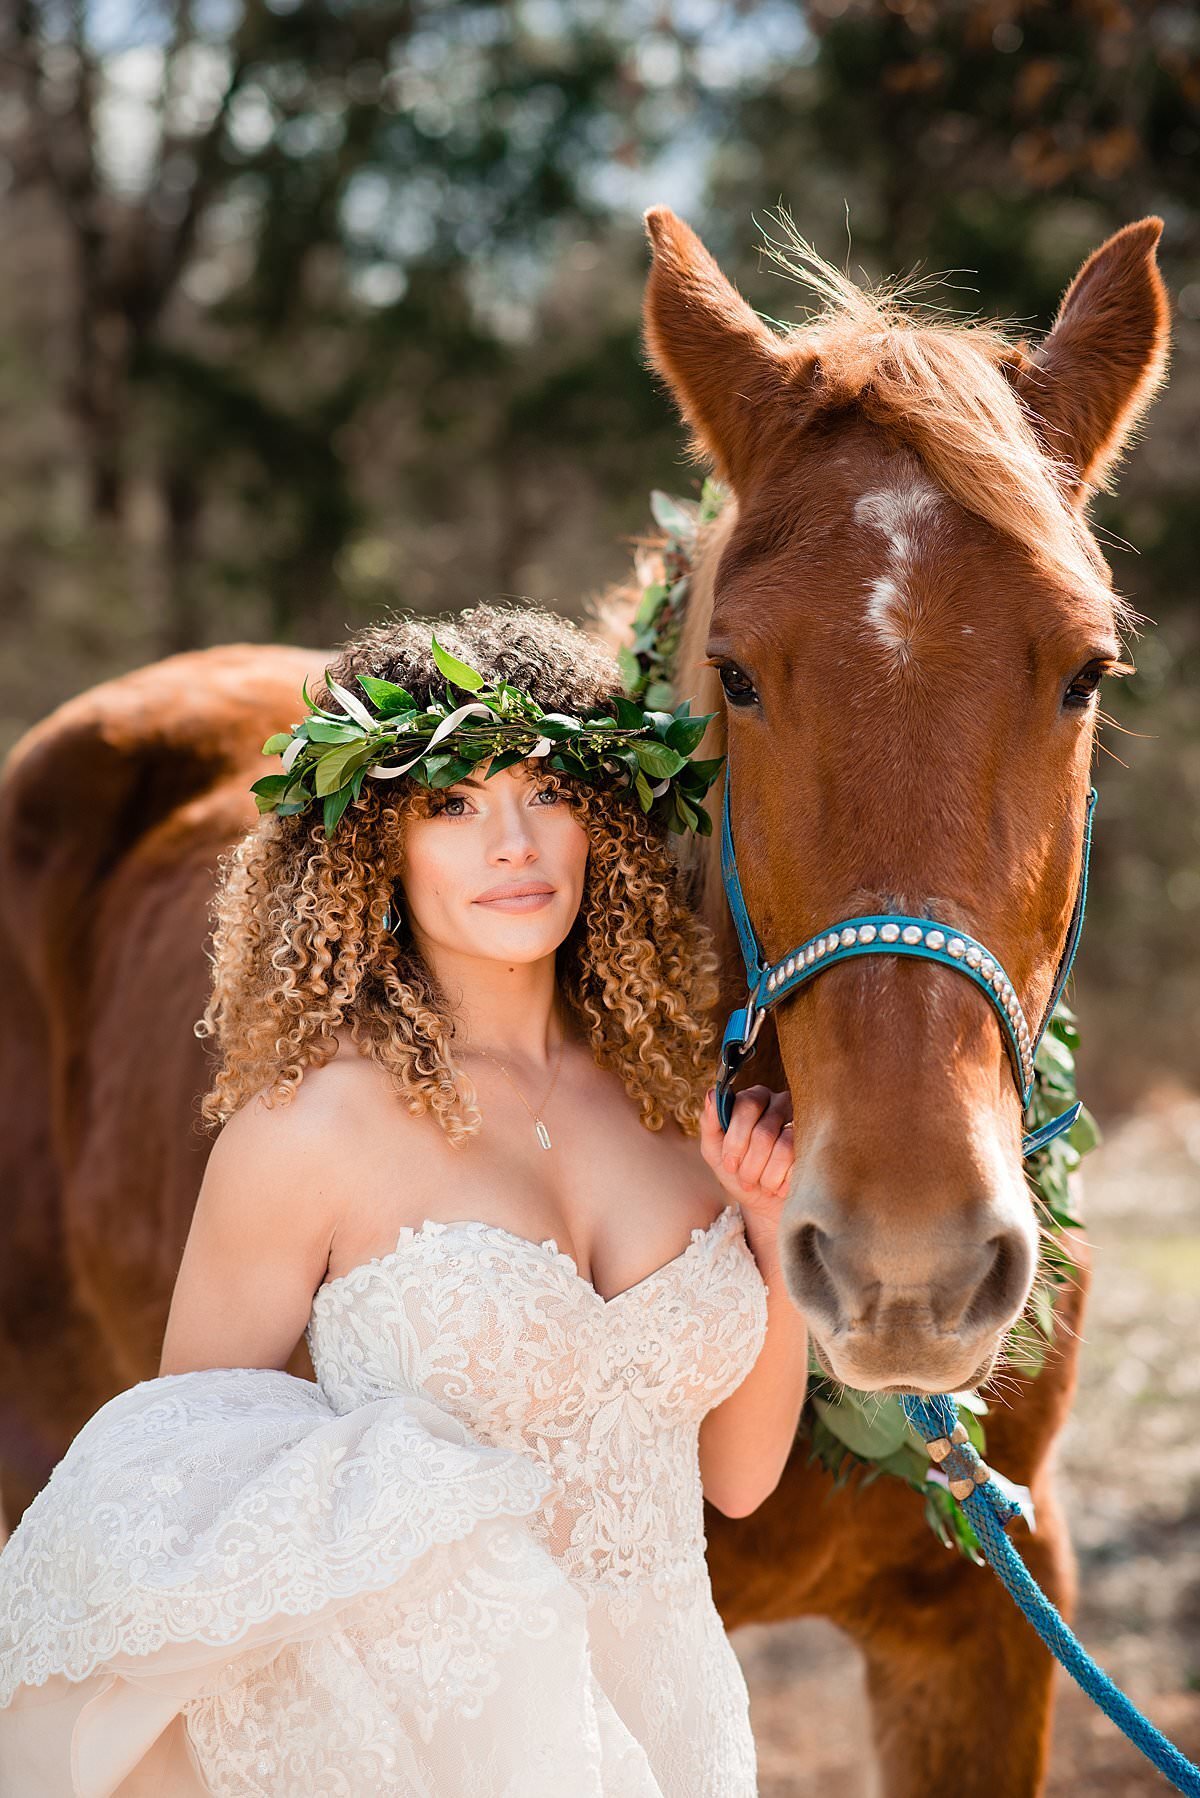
column 1084, row 685
column 739, row 688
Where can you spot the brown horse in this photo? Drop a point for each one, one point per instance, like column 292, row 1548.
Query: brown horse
column 904, row 606
column 901, row 620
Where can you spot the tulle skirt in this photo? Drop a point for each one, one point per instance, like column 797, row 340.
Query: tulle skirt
column 228, row 1589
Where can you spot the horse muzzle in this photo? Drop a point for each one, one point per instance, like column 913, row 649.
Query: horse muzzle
column 911, row 1305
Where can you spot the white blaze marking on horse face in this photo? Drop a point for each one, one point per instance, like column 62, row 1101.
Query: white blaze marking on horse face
column 900, row 513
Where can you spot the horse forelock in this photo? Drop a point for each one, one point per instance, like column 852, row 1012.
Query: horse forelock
column 945, row 386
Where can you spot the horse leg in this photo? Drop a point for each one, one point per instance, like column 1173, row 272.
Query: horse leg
column 961, row 1690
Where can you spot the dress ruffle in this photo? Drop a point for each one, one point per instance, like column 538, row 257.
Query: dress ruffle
column 228, row 1587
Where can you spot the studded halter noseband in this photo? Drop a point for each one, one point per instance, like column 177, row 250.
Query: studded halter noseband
column 889, row 933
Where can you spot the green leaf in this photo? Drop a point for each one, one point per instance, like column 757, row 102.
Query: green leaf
column 1025, row 1349
column 659, row 695
column 314, row 707
column 654, row 598
column 566, row 763
column 278, row 743
column 270, row 788
column 704, row 771
column 685, row 734
column 869, row 1433
column 974, row 1429
column 387, row 698
column 674, row 516
column 712, row 498
column 1084, row 1133
column 444, row 770
column 1043, row 1310
column 508, row 758
column 296, row 799
column 631, row 668
column 629, row 715
column 908, row 1463
column 335, row 805
column 337, row 764
column 321, row 730
column 948, row 1520
column 657, row 759
column 642, row 788
column 460, row 673
column 1054, row 1057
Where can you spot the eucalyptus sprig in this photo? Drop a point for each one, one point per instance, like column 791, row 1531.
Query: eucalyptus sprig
column 328, row 755
column 648, row 660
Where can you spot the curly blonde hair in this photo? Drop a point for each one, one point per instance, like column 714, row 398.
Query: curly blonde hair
column 299, row 939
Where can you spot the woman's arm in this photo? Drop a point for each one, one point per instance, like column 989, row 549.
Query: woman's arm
column 259, row 1240
column 745, row 1441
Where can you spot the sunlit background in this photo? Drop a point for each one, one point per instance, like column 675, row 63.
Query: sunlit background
column 313, row 310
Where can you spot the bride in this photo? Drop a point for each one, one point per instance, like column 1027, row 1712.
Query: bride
column 467, row 1153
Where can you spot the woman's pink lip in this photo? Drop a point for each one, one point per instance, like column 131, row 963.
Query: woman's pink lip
column 522, row 896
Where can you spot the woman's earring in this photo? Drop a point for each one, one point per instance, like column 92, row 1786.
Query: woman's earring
column 387, row 916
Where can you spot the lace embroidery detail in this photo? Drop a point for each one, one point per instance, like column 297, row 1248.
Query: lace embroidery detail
column 432, row 1226
column 609, row 1394
column 422, row 1574
column 268, row 1504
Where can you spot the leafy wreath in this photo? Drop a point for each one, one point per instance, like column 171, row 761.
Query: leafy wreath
column 865, row 1433
column 328, row 754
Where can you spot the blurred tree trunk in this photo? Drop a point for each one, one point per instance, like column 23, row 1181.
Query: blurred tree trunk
column 518, row 528
column 182, row 506
column 128, row 253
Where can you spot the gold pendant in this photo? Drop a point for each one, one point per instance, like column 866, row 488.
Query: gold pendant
column 543, row 1135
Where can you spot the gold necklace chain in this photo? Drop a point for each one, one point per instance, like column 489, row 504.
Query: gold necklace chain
column 540, row 1130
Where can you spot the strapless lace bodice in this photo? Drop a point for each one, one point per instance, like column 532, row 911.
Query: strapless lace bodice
column 467, row 1563
column 608, row 1394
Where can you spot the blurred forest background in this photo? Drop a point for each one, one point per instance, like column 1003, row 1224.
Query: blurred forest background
column 313, row 309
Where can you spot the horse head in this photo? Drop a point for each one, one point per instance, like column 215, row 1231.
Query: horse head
column 902, row 618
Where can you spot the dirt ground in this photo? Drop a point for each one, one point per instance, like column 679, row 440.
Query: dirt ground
column 1130, row 1473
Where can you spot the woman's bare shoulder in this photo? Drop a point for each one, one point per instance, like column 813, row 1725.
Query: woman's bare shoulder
column 335, row 1107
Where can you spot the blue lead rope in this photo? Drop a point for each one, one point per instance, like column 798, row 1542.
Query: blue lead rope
column 990, row 1509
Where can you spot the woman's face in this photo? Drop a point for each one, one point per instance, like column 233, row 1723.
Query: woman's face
column 498, row 870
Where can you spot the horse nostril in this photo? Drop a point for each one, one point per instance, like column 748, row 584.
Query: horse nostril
column 809, row 1278
column 1003, row 1290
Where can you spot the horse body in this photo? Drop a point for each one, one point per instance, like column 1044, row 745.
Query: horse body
column 906, row 623
column 113, row 810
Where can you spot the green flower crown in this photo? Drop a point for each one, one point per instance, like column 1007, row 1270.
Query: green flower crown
column 328, row 755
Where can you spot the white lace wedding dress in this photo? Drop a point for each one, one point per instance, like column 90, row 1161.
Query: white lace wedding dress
column 468, row 1563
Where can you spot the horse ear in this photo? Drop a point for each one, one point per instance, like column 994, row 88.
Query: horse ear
column 721, row 362
column 1093, row 377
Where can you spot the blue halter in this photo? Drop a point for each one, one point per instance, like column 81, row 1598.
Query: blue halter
column 889, row 933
